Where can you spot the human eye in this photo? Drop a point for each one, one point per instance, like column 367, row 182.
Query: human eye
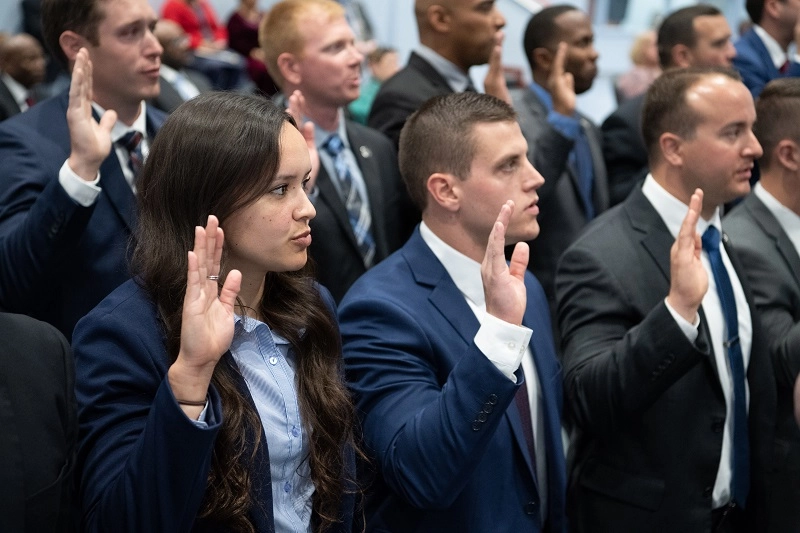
column 306, row 181
column 280, row 190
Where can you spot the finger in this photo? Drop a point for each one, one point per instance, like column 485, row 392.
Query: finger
column 108, row 120
column 76, row 85
column 215, row 267
column 560, row 59
column 230, row 289
column 200, row 243
column 296, row 103
column 308, row 134
column 687, row 233
column 87, row 80
column 519, row 260
column 495, row 258
column 211, row 242
column 192, row 279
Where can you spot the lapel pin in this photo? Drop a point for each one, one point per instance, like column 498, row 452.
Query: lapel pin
column 365, row 152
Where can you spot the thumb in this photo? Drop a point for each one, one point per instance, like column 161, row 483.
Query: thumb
column 108, row 120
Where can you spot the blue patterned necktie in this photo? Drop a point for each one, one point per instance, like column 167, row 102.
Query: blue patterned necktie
column 740, row 484
column 357, row 211
column 132, row 142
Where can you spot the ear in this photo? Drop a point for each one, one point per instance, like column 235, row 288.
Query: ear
column 70, row 43
column 772, row 8
column 289, row 67
column 671, row 146
column 542, row 58
column 443, row 189
column 788, row 153
column 681, row 56
column 439, row 18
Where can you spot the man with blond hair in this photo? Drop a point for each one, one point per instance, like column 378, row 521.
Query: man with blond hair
column 310, row 53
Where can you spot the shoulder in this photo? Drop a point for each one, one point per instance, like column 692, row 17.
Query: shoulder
column 129, row 307
column 21, row 333
column 366, row 135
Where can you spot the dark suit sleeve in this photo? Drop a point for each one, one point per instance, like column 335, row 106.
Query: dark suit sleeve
column 617, row 362
column 625, row 158
column 419, row 431
column 40, row 225
column 144, row 464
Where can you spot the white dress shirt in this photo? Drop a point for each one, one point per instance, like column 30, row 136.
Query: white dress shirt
column 505, row 345
column 672, row 212
column 17, row 90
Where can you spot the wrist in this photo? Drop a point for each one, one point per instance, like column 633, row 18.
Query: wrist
column 189, row 384
column 82, row 169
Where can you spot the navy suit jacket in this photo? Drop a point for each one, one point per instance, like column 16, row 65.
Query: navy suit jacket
column 143, row 465
column 438, row 418
column 755, row 64
column 59, row 259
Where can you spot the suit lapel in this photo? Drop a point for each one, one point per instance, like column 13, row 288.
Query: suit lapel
column 330, row 195
column 763, row 54
column 600, row 189
column 764, row 218
column 416, row 62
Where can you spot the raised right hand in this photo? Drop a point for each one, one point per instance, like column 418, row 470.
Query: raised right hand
column 561, row 84
column 90, row 142
column 207, row 321
column 688, row 277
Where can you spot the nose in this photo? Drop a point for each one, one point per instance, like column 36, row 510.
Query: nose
column 357, row 57
column 753, row 148
column 730, row 51
column 499, row 19
column 534, row 179
column 305, row 210
column 151, row 45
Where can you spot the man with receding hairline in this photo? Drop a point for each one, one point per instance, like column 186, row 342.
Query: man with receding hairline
column 448, row 348
column 454, row 36
column 668, row 384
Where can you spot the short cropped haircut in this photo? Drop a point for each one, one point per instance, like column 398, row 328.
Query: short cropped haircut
column 281, row 32
column 542, row 30
column 778, row 116
column 678, row 28
column 81, row 16
column 439, row 137
column 755, row 9
column 665, row 106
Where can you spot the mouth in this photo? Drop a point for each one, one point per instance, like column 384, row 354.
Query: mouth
column 152, row 73
column 304, row 239
column 533, row 207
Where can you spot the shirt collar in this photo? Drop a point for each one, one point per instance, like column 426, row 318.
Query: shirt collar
column 249, row 325
column 17, row 90
column 788, row 219
column 672, row 211
column 543, row 95
column 168, row 73
column 776, row 53
column 456, row 78
column 465, row 272
column 120, row 128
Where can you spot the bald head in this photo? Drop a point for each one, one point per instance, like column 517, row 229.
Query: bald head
column 175, row 44
column 22, row 58
column 462, row 31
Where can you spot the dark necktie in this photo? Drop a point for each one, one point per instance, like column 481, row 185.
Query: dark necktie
column 132, row 142
column 524, row 407
column 357, row 211
column 29, row 101
column 740, row 484
column 785, row 67
column 581, row 159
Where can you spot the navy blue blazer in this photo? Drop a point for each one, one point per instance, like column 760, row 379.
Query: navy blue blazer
column 59, row 259
column 755, row 64
column 438, row 418
column 142, row 464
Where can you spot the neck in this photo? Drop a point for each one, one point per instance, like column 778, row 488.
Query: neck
column 782, row 184
column 126, row 113
column 445, row 50
column 541, row 79
column 446, row 226
column 675, row 184
column 251, row 292
column 774, row 29
column 324, row 116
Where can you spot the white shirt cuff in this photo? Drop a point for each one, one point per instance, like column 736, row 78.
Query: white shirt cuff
column 83, row 192
column 503, row 344
column 201, row 419
column 688, row 328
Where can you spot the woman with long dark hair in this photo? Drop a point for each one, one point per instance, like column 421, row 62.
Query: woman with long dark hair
column 209, row 387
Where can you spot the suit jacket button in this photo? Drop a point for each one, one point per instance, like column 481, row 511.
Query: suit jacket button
column 476, row 426
column 531, row 507
column 492, row 399
column 488, row 408
column 481, row 417
column 707, row 492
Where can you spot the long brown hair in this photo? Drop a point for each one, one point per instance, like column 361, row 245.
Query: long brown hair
column 215, row 154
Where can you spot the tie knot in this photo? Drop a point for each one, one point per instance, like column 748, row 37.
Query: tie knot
column 130, row 140
column 334, row 145
column 711, row 239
